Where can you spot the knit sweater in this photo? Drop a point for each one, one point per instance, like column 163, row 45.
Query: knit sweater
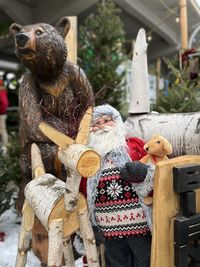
column 116, row 198
column 117, row 208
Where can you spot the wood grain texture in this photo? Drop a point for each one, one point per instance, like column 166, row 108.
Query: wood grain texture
column 165, row 209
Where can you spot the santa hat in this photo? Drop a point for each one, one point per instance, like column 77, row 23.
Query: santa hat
column 106, row 110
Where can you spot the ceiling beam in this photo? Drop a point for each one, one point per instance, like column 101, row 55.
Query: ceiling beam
column 65, row 8
column 152, row 55
column 17, row 11
column 149, row 18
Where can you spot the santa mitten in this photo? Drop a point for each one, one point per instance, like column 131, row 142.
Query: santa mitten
column 134, row 172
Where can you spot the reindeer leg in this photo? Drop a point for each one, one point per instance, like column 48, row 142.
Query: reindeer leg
column 24, row 235
column 55, row 253
column 88, row 238
column 68, row 252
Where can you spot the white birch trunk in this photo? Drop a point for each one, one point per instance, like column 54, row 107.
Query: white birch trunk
column 68, row 252
column 55, row 249
column 181, row 129
column 72, row 190
column 139, row 91
column 42, row 194
column 88, row 238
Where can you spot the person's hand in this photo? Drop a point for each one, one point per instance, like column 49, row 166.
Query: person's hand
column 134, row 172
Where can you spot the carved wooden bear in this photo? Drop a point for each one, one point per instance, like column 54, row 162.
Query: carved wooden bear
column 53, row 90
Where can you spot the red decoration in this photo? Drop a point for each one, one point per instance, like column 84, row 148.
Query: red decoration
column 2, row 235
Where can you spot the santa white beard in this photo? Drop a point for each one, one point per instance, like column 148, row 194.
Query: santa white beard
column 111, row 138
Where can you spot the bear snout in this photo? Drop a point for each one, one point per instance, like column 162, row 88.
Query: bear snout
column 147, row 148
column 21, row 39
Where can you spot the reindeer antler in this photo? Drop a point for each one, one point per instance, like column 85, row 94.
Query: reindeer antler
column 63, row 140
column 57, row 137
column 84, row 128
column 36, row 161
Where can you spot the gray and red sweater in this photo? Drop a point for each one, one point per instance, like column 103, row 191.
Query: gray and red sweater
column 117, row 209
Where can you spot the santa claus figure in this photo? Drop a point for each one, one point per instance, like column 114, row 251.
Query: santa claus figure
column 114, row 206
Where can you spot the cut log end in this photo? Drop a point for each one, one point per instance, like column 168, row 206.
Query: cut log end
column 88, row 164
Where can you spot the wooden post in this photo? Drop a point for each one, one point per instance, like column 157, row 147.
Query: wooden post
column 158, row 64
column 55, row 252
column 71, row 40
column 183, row 24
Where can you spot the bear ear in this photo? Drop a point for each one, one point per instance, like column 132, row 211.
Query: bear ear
column 63, row 26
column 155, row 136
column 15, row 28
column 167, row 147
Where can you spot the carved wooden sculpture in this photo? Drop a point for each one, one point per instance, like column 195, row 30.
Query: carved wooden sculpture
column 54, row 90
column 59, row 206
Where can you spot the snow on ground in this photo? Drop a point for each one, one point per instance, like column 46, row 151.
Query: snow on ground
column 10, row 225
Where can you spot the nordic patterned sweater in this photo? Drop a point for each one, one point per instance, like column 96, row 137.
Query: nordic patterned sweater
column 113, row 203
column 117, row 208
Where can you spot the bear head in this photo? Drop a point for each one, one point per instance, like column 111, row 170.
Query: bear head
column 158, row 146
column 41, row 47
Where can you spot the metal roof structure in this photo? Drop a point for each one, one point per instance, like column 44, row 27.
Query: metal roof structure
column 157, row 17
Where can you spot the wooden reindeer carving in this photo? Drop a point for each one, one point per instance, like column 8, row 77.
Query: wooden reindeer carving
column 59, row 205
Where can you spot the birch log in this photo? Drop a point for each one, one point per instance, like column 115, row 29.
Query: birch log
column 81, row 159
column 181, row 129
column 68, row 252
column 55, row 251
column 88, row 238
column 42, row 194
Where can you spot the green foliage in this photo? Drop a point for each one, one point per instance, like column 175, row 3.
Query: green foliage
column 9, row 171
column 183, row 94
column 101, row 51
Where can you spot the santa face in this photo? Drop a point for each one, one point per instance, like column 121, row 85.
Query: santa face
column 107, row 135
column 101, row 123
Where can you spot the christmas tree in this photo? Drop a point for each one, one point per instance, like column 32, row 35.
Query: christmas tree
column 101, row 51
column 183, row 92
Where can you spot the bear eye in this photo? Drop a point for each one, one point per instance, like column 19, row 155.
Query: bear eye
column 38, row 32
column 158, row 142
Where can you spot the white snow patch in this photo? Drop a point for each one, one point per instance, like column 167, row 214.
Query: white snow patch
column 10, row 225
